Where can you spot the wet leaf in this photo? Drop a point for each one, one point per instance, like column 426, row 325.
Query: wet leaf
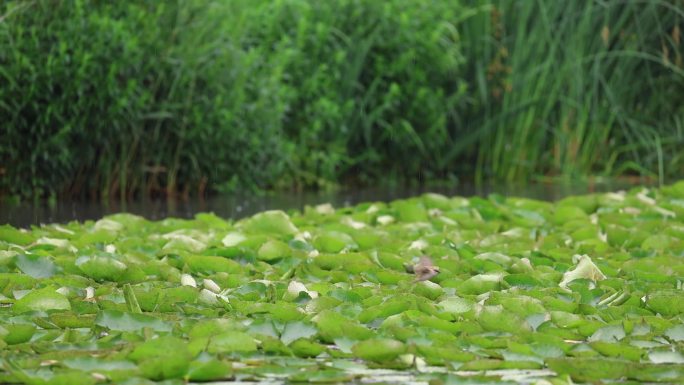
column 230, row 342
column 101, row 268
column 17, row 333
column 666, row 357
column 666, row 302
column 456, row 305
column 207, row 368
column 11, row 235
column 36, row 266
column 306, row 348
column 271, row 222
column 585, row 268
column 273, row 250
column 378, row 349
column 326, row 376
column 334, row 242
column 589, row 369
column 589, row 287
column 610, row 333
column 295, row 330
column 119, row 320
column 41, row 300
column 675, row 333
column 211, row 264
column 480, row 283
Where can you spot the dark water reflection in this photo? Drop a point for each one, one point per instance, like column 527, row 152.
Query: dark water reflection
column 240, row 205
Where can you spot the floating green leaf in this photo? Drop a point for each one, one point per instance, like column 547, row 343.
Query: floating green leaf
column 41, row 300
column 17, row 333
column 378, row 349
column 230, row 342
column 270, row 222
column 36, row 266
column 581, row 289
column 119, row 320
column 11, row 235
column 101, row 268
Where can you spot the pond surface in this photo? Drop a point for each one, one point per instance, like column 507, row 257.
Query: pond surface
column 422, row 291
column 237, row 206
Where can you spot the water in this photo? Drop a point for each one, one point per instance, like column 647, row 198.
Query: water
column 241, row 205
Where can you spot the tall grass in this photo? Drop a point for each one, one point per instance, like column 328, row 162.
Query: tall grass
column 122, row 98
column 116, row 98
column 582, row 88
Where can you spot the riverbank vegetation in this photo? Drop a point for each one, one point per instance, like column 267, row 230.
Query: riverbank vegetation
column 107, row 99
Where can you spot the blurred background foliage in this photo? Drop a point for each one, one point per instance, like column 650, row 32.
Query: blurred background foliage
column 128, row 98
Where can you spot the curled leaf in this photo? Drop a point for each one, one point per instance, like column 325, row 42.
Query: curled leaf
column 585, row 268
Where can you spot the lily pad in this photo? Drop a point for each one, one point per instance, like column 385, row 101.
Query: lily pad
column 586, row 290
column 378, row 349
column 230, row 342
column 41, row 300
column 101, row 268
column 119, row 320
column 36, row 266
column 271, row 222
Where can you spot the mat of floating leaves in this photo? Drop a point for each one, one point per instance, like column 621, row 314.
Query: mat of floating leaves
column 433, row 289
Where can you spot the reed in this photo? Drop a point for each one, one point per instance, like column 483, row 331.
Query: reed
column 582, row 88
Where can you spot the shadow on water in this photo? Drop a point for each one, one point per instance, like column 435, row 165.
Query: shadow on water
column 237, row 206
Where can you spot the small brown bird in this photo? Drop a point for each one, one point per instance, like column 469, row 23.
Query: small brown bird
column 425, row 269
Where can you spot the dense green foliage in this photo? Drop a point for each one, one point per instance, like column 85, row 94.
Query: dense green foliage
column 587, row 289
column 114, row 98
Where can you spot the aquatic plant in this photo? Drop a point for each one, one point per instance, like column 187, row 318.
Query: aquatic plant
column 588, row 288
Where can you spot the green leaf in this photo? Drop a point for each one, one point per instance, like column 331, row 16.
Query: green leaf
column 72, row 320
column 428, row 289
column 410, row 211
column 131, row 299
column 675, row 333
column 456, row 305
column 101, row 268
column 495, row 318
column 332, row 325
column 618, row 350
column 95, row 364
column 666, row 357
column 611, row 333
column 205, row 264
column 41, row 300
column 207, row 368
column 161, row 346
column 334, row 242
column 295, row 330
column 378, row 349
column 321, row 376
column 666, row 302
column 118, row 320
column 274, row 222
column 231, row 342
column 11, row 235
column 590, row 369
column 565, row 214
column 71, row 378
column 305, row 348
column 166, row 367
column 17, row 333
column 211, row 327
column 272, row 250
column 480, row 283
column 36, row 266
